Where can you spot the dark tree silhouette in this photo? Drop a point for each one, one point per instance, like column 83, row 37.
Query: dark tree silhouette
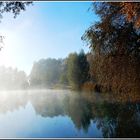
column 14, row 7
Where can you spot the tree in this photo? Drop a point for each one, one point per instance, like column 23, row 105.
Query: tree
column 73, row 72
column 132, row 12
column 46, row 72
column 116, row 46
column 83, row 66
column 78, row 69
column 114, row 33
column 63, row 75
column 13, row 7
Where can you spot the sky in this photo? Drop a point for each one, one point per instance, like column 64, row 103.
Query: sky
column 44, row 30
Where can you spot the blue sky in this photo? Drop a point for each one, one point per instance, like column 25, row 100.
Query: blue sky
column 46, row 29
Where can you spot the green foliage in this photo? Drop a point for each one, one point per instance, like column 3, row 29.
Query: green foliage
column 78, row 69
column 72, row 71
column 83, row 66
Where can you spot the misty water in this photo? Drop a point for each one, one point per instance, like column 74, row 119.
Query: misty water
column 64, row 113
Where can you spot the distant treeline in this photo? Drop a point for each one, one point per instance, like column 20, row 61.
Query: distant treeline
column 12, row 79
column 71, row 72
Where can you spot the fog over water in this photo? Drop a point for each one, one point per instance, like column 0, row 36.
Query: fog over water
column 50, row 113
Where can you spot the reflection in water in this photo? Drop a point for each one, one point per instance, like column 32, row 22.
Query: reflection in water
column 12, row 101
column 118, row 120
column 50, row 113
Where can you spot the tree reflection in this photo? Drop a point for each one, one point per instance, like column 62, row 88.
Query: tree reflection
column 79, row 110
column 72, row 105
column 118, row 120
column 47, row 105
column 11, row 101
column 112, row 118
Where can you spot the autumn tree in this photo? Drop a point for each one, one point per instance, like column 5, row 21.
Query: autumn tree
column 132, row 12
column 115, row 46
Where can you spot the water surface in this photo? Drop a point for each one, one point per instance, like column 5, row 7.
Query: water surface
column 63, row 113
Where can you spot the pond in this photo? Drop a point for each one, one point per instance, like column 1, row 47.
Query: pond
column 65, row 114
